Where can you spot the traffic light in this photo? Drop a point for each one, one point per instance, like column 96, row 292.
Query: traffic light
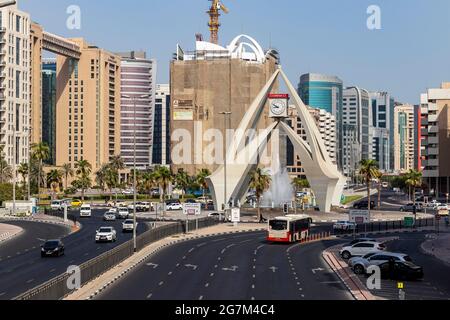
column 286, row 208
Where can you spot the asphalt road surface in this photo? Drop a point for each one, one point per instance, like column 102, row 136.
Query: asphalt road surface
column 22, row 267
column 232, row 267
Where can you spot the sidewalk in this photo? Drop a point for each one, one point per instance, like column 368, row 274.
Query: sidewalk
column 93, row 288
column 45, row 219
column 438, row 246
column 7, row 232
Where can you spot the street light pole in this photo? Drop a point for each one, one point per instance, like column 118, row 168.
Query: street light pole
column 225, row 114
column 134, row 98
column 14, row 171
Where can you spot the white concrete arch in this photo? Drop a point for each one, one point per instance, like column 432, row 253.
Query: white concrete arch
column 236, row 48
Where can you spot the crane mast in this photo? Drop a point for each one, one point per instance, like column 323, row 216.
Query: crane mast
column 214, row 24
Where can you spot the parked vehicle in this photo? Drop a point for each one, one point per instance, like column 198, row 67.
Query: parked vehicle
column 106, row 234
column 86, row 211
column 364, row 204
column 191, row 201
column 52, row 248
column 110, row 216
column 344, row 226
column 410, row 207
column 355, row 241
column 360, row 264
column 123, row 213
column 128, row 225
column 433, row 204
column 402, row 270
column 209, row 206
column 361, row 249
column 174, row 206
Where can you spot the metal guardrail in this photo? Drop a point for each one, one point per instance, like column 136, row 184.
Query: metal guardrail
column 383, row 226
column 57, row 287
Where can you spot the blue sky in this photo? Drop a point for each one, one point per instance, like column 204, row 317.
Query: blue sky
column 408, row 55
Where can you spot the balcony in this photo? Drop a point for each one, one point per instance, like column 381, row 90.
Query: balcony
column 432, row 118
column 430, row 173
column 432, row 151
column 2, row 30
column 433, row 129
column 2, row 98
column 433, row 140
column 432, row 163
column 432, row 107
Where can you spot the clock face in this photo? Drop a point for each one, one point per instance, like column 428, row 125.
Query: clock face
column 278, row 107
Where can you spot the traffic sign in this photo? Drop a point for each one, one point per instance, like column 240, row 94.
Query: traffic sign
column 236, row 215
column 359, row 216
column 192, row 209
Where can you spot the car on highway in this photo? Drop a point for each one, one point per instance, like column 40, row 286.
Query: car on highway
column 364, row 204
column 402, row 270
column 76, row 203
column 128, row 225
column 175, row 206
column 106, row 234
column 410, row 207
column 360, row 264
column 123, row 213
column 433, row 204
column 209, row 206
column 110, row 216
column 52, row 248
column 361, row 249
column 86, row 211
column 344, row 226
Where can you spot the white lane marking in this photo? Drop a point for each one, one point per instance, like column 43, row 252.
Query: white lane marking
column 232, row 269
column 219, row 258
column 2, row 294
column 30, row 281
column 231, row 245
column 18, row 252
column 223, row 251
column 153, row 265
column 253, row 286
column 274, row 269
column 254, row 276
column 191, row 250
column 178, row 265
column 184, row 258
column 200, row 298
column 161, row 283
column 201, row 244
column 170, row 273
column 150, row 295
column 253, row 298
column 216, row 266
column 212, row 274
column 254, row 267
column 193, row 267
column 86, row 254
column 207, row 285
column 53, row 270
column 71, row 261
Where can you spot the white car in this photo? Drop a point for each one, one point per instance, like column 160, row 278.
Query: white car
column 433, row 204
column 174, row 207
column 344, row 225
column 123, row 213
column 361, row 249
column 360, row 264
column 128, row 225
column 106, row 234
column 86, row 211
column 110, row 216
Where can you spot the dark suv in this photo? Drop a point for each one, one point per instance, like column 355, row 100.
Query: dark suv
column 364, row 205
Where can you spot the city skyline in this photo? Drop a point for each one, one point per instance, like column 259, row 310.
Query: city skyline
column 349, row 50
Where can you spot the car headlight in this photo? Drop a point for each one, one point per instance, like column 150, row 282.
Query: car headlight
column 42, row 249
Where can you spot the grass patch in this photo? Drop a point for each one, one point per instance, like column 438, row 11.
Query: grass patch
column 350, row 199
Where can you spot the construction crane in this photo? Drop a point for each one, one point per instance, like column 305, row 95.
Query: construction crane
column 214, row 14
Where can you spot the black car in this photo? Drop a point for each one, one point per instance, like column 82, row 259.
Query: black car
column 364, row 205
column 402, row 270
column 52, row 248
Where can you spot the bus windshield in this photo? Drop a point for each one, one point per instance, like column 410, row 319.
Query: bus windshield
column 278, row 225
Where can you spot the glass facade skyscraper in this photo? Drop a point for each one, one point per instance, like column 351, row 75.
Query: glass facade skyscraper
column 49, row 109
column 326, row 93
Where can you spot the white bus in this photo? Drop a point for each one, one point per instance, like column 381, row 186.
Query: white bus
column 289, row 229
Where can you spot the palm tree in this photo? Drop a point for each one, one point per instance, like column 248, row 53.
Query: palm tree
column 54, row 179
column 23, row 171
column 299, row 183
column 6, row 173
column 67, row 171
column 182, row 181
column 201, row 180
column 148, row 182
column 413, row 181
column 260, row 182
column 3, row 164
column 83, row 171
column 101, row 175
column 368, row 170
column 40, row 152
column 116, row 163
column 163, row 178
column 379, row 175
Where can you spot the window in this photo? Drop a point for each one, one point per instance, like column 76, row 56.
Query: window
column 18, row 23
column 18, row 51
column 18, row 84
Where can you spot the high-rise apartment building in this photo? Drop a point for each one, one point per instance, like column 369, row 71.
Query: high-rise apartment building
column 138, row 76
column 88, row 106
column 404, row 138
column 355, row 128
column 326, row 123
column 382, row 117
column 325, row 92
column 15, row 77
column 161, row 128
column 435, row 133
column 49, row 108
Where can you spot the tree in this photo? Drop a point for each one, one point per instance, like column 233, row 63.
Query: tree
column 413, row 181
column 6, row 173
column 182, row 181
column 83, row 171
column 368, row 170
column 299, row 183
column 260, row 182
column 54, row 179
column 379, row 175
column 23, row 170
column 67, row 171
column 101, row 176
column 148, row 182
column 116, row 163
column 40, row 152
column 163, row 178
column 201, row 180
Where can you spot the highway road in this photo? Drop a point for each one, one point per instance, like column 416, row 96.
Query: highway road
column 22, row 267
column 237, row 267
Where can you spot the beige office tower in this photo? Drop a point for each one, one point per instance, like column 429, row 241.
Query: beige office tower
column 15, row 85
column 36, row 83
column 404, row 138
column 207, row 82
column 88, row 107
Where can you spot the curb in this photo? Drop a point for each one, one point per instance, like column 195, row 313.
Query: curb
column 61, row 223
column 8, row 236
column 158, row 249
column 396, row 231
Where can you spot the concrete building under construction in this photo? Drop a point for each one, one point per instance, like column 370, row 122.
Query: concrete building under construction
column 213, row 80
